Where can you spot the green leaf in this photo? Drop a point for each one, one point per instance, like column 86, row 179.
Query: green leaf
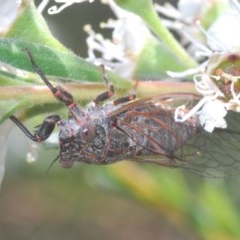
column 52, row 62
column 31, row 26
column 155, row 59
column 145, row 9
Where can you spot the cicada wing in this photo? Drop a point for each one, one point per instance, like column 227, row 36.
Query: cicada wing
column 156, row 130
column 152, row 127
column 168, row 100
column 214, row 154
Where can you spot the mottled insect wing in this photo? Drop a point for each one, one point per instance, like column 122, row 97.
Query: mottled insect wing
column 150, row 124
column 214, row 154
column 181, row 145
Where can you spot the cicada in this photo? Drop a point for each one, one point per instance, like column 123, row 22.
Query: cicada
column 142, row 130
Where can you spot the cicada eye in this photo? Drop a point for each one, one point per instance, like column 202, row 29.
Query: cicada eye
column 87, row 132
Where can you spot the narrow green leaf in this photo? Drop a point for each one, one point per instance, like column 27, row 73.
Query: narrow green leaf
column 31, row 26
column 53, row 62
column 155, row 59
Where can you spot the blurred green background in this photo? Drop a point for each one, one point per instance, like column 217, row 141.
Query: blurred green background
column 123, row 201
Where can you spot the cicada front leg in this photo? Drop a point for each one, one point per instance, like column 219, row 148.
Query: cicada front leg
column 44, row 130
column 47, row 126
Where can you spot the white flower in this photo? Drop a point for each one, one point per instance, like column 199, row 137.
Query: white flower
column 222, row 36
column 129, row 36
column 212, row 115
column 210, row 111
column 111, row 55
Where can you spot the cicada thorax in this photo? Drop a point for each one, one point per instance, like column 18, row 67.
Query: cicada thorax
column 83, row 141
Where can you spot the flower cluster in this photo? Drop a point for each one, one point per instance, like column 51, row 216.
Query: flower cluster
column 129, row 35
column 217, row 78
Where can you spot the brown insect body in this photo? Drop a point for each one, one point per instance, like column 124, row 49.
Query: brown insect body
column 131, row 131
column 139, row 130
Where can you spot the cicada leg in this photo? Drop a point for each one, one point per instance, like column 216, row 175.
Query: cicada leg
column 106, row 95
column 44, row 130
column 125, row 99
column 60, row 94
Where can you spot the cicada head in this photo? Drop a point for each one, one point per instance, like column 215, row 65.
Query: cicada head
column 74, row 137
